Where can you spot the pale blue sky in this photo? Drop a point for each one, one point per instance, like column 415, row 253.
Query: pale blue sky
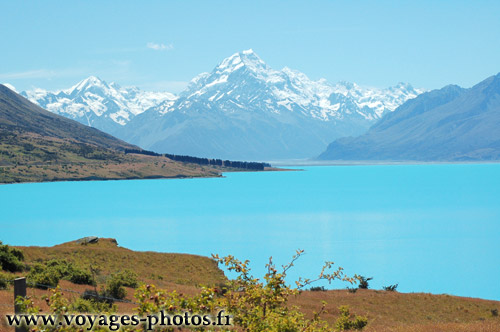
column 54, row 44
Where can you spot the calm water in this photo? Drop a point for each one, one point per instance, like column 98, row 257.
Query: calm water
column 430, row 228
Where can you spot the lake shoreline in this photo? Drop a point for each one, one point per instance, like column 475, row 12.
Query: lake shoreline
column 294, row 163
column 153, row 177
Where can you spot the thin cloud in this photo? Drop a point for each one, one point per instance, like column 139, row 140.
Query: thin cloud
column 159, row 47
column 38, row 73
column 41, row 74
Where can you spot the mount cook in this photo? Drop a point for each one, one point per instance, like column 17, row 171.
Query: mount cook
column 243, row 109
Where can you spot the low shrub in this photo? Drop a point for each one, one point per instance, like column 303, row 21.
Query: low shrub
column 363, row 282
column 352, row 289
column 11, row 258
column 116, row 282
column 127, row 278
column 80, row 277
column 346, row 322
column 50, row 272
column 4, row 280
column 114, row 288
column 91, row 306
column 390, row 288
column 317, row 289
column 42, row 277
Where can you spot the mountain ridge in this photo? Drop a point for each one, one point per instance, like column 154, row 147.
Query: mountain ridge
column 242, row 109
column 96, row 103
column 449, row 124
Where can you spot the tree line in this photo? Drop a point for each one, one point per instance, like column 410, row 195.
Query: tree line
column 256, row 166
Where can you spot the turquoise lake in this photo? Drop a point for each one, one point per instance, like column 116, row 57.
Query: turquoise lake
column 429, row 228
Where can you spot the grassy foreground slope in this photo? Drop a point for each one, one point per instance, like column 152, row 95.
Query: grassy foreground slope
column 36, row 145
column 181, row 272
column 107, row 256
column 386, row 311
column 407, row 312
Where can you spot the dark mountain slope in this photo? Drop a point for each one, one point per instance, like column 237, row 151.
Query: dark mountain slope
column 17, row 114
column 36, row 145
column 450, row 124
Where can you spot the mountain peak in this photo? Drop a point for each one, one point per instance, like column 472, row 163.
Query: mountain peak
column 249, row 51
column 86, row 83
column 92, row 80
column 347, row 85
column 403, row 85
column 247, row 58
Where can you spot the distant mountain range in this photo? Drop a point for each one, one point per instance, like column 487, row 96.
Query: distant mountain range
column 243, row 109
column 95, row 103
column 449, row 124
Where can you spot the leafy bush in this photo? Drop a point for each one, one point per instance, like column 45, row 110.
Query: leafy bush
column 91, row 306
column 4, row 278
column 256, row 305
column 346, row 322
column 390, row 288
column 352, row 289
column 17, row 253
column 317, row 289
column 11, row 258
column 80, row 277
column 128, row 278
column 50, row 272
column 363, row 282
column 116, row 282
column 42, row 277
column 68, row 271
column 114, row 288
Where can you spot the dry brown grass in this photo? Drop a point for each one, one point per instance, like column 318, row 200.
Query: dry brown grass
column 393, row 311
column 181, row 272
column 162, row 269
column 386, row 311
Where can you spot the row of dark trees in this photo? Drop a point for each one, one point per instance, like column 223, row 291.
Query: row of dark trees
column 256, row 166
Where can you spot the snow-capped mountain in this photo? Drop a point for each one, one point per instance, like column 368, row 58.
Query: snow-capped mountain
column 95, row 103
column 244, row 109
column 289, row 89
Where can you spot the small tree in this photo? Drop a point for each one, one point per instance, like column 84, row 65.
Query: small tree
column 363, row 282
